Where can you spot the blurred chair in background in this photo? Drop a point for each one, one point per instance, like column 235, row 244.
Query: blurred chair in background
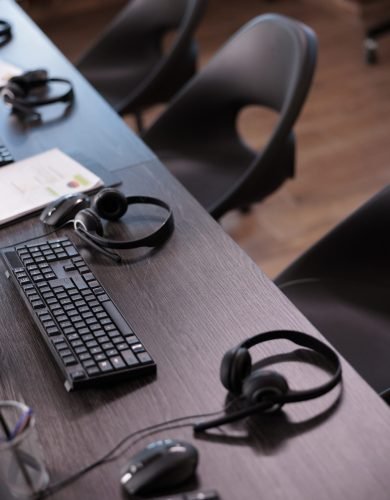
column 130, row 64
column 269, row 62
column 375, row 17
column 370, row 41
column 342, row 285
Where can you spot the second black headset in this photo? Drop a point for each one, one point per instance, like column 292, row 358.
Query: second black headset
column 265, row 390
column 18, row 93
column 111, row 204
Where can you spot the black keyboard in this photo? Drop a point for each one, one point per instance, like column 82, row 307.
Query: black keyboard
column 88, row 337
column 5, row 155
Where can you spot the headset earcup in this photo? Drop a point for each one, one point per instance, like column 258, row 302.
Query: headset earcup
column 15, row 89
column 87, row 219
column 235, row 367
column 110, row 204
column 262, row 384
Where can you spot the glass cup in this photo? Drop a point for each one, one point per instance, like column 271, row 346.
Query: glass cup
column 22, row 471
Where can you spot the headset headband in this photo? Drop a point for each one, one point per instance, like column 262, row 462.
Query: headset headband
column 11, row 98
column 304, row 340
column 270, row 387
column 157, row 238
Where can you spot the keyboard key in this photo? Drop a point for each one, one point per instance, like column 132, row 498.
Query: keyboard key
column 117, row 362
column 70, row 360
column 77, row 375
column 129, row 357
column 37, row 304
column 88, row 363
column 131, row 339
column 85, row 356
column 144, row 357
column 138, row 348
column 105, row 366
column 93, row 370
column 71, row 251
column 60, row 345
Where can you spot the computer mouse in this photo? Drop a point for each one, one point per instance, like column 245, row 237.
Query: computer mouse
column 162, row 464
column 64, row 209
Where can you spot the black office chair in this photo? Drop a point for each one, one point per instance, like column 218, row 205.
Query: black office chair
column 130, row 65
column 269, row 62
column 342, row 285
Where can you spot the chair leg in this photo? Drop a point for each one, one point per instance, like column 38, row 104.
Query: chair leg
column 139, row 122
column 370, row 43
column 370, row 51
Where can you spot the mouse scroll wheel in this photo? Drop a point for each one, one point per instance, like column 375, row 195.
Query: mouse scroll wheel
column 177, row 448
column 51, row 211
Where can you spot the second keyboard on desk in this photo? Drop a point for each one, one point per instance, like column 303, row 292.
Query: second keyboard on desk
column 90, row 340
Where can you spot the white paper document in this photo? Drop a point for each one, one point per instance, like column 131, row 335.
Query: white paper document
column 29, row 185
column 7, row 71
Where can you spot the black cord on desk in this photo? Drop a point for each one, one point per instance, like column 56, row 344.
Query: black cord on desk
column 142, row 434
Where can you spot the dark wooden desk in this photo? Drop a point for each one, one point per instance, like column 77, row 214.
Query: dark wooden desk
column 189, row 302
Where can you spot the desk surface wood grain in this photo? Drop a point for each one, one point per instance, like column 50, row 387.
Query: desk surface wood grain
column 189, row 302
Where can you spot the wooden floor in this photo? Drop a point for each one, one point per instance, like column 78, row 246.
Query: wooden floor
column 343, row 133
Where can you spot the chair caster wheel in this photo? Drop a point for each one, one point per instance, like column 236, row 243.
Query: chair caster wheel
column 370, row 51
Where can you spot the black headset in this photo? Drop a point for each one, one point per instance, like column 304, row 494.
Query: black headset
column 5, row 32
column 20, row 92
column 111, row 204
column 265, row 390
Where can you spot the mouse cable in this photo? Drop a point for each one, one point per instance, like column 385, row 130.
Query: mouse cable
column 140, row 434
column 36, row 237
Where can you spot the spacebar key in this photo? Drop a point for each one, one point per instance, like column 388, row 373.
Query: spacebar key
column 117, row 318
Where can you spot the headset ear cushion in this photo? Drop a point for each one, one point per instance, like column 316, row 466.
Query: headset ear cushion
column 235, row 367
column 110, row 204
column 262, row 384
column 87, row 219
column 15, row 88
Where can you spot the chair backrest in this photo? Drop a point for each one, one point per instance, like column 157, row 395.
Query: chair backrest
column 129, row 59
column 357, row 249
column 341, row 284
column 269, row 62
